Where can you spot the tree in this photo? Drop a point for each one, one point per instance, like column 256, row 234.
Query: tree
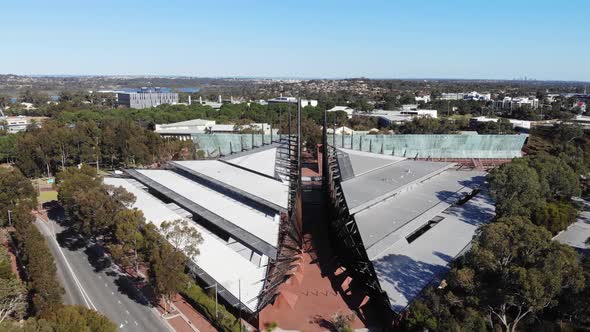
column 44, row 289
column 554, row 216
column 15, row 188
column 77, row 318
column 12, row 298
column 514, row 269
column 166, row 272
column 558, row 180
column 128, row 235
column 182, row 237
column 516, row 189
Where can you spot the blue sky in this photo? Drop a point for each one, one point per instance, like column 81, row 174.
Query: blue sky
column 287, row 38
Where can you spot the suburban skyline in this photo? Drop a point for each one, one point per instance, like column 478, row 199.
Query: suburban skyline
column 379, row 39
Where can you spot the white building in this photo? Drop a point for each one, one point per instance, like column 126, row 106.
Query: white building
column 425, row 99
column 16, row 124
column 388, row 117
column 309, row 102
column 451, row 96
column 473, row 95
column 524, row 124
column 349, row 111
column 186, row 129
column 509, row 103
column 293, row 100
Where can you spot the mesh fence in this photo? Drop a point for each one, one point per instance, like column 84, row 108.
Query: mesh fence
column 435, row 146
column 224, row 144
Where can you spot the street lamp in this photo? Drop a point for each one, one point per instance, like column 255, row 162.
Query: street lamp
column 216, row 317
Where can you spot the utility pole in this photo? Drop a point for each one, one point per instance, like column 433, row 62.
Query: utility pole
column 216, row 315
column 240, row 287
column 9, row 218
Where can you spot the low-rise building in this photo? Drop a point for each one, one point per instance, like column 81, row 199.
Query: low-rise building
column 348, row 110
column 516, row 123
column 386, row 118
column 509, row 103
column 473, row 95
column 293, row 100
column 145, row 98
column 185, row 130
column 424, row 99
column 16, row 124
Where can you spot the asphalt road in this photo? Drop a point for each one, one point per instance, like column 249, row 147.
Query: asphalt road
column 90, row 280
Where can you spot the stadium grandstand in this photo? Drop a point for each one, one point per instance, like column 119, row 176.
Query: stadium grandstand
column 247, row 207
column 400, row 221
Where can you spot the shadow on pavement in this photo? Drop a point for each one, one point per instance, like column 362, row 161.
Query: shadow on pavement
column 97, row 258
column 70, row 239
column 126, row 286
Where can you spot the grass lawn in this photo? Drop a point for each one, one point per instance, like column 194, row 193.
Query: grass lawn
column 47, row 196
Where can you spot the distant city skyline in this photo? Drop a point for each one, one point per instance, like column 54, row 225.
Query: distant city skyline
column 541, row 40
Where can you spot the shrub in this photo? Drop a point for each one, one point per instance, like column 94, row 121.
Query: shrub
column 206, row 306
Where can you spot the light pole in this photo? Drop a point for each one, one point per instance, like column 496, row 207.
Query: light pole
column 9, row 218
column 216, row 317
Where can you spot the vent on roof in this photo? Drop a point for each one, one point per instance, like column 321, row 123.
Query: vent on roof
column 412, row 237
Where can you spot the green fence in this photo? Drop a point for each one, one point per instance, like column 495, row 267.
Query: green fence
column 435, row 146
column 224, row 144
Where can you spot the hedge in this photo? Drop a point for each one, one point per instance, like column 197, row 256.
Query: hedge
column 205, row 304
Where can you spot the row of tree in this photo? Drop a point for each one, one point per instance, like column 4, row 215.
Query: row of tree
column 103, row 214
column 37, row 294
column 108, row 143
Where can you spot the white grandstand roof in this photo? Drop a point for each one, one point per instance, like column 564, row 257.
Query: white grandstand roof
column 262, row 161
column 264, row 227
column 394, row 199
column 404, row 270
column 216, row 258
column 268, row 189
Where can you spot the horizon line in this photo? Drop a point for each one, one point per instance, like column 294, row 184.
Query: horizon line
column 303, row 78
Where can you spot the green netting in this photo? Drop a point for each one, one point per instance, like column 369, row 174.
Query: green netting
column 225, row 144
column 435, row 146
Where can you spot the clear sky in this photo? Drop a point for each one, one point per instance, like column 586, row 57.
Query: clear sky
column 497, row 39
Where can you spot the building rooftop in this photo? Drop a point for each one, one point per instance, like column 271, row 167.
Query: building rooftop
column 262, row 161
column 250, row 226
column 267, row 189
column 408, row 217
column 225, row 265
column 383, row 182
column 405, row 269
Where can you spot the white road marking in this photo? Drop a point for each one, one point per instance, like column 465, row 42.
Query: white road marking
column 85, row 296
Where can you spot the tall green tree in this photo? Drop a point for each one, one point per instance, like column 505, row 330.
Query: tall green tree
column 166, row 272
column 516, row 188
column 515, row 270
column 128, row 236
column 15, row 188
